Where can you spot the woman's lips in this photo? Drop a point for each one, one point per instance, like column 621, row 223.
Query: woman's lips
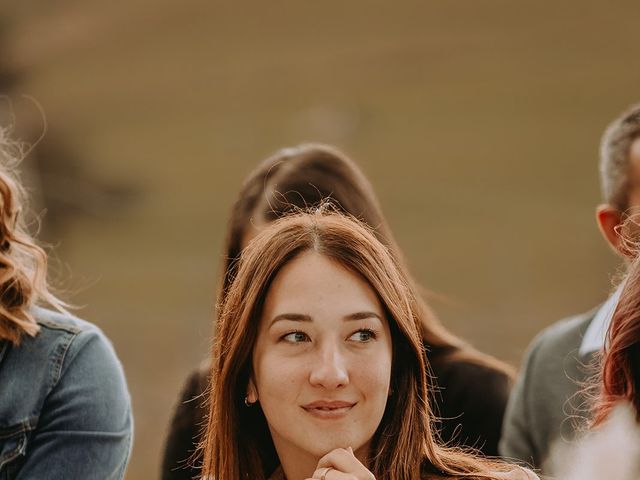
column 328, row 409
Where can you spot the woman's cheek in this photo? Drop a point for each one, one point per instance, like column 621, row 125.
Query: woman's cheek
column 280, row 376
column 373, row 372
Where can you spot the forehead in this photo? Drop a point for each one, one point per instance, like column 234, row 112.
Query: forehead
column 314, row 282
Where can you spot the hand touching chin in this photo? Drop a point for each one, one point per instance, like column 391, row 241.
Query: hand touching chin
column 341, row 464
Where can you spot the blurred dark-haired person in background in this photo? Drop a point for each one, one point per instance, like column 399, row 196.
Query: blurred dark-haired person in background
column 548, row 401
column 470, row 389
column 65, row 409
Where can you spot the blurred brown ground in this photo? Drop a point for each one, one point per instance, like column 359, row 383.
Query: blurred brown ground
column 478, row 123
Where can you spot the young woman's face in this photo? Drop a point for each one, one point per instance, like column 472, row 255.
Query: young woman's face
column 322, row 360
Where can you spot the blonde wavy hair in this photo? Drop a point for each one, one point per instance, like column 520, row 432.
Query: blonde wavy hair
column 23, row 264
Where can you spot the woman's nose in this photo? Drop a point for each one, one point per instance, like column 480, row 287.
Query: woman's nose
column 329, row 369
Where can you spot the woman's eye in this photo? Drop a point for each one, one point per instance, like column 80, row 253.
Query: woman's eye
column 364, row 335
column 295, row 337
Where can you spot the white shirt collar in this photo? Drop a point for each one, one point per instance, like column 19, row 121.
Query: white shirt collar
column 596, row 334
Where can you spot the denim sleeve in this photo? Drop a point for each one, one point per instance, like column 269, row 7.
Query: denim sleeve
column 85, row 428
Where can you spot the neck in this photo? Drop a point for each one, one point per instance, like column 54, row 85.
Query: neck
column 297, row 465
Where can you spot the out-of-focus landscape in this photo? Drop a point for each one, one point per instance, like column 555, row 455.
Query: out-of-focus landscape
column 477, row 122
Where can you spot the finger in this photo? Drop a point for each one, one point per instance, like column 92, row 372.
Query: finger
column 340, row 459
column 334, row 474
column 323, row 472
column 344, row 461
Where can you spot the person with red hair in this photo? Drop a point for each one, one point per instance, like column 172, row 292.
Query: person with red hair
column 620, row 371
column 318, row 369
column 547, row 403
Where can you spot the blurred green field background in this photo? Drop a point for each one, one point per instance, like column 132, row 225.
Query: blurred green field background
column 478, row 123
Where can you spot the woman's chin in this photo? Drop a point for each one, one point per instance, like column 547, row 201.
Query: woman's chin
column 326, row 445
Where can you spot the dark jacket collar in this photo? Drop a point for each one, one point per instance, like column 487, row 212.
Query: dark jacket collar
column 4, row 347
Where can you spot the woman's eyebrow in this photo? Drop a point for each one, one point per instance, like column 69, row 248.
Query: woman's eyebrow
column 362, row 316
column 295, row 317
column 300, row 317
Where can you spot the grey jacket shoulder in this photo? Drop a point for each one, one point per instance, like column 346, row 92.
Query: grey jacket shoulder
column 563, row 336
column 547, row 403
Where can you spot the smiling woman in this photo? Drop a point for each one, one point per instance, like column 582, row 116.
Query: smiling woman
column 321, row 363
column 318, row 368
column 469, row 389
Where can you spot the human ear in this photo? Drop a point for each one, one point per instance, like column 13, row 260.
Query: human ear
column 610, row 219
column 252, row 393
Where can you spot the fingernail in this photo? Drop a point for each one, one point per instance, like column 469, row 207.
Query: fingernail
column 350, row 450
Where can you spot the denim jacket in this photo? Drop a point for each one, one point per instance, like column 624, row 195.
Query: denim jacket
column 65, row 412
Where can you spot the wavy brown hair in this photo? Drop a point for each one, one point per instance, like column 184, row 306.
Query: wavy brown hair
column 237, row 444
column 620, row 370
column 23, row 264
column 616, row 376
column 303, row 177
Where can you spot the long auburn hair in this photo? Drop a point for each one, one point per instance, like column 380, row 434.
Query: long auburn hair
column 620, row 367
column 23, row 264
column 306, row 176
column 237, row 444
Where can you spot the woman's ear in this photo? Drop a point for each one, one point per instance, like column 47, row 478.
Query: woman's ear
column 252, row 392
